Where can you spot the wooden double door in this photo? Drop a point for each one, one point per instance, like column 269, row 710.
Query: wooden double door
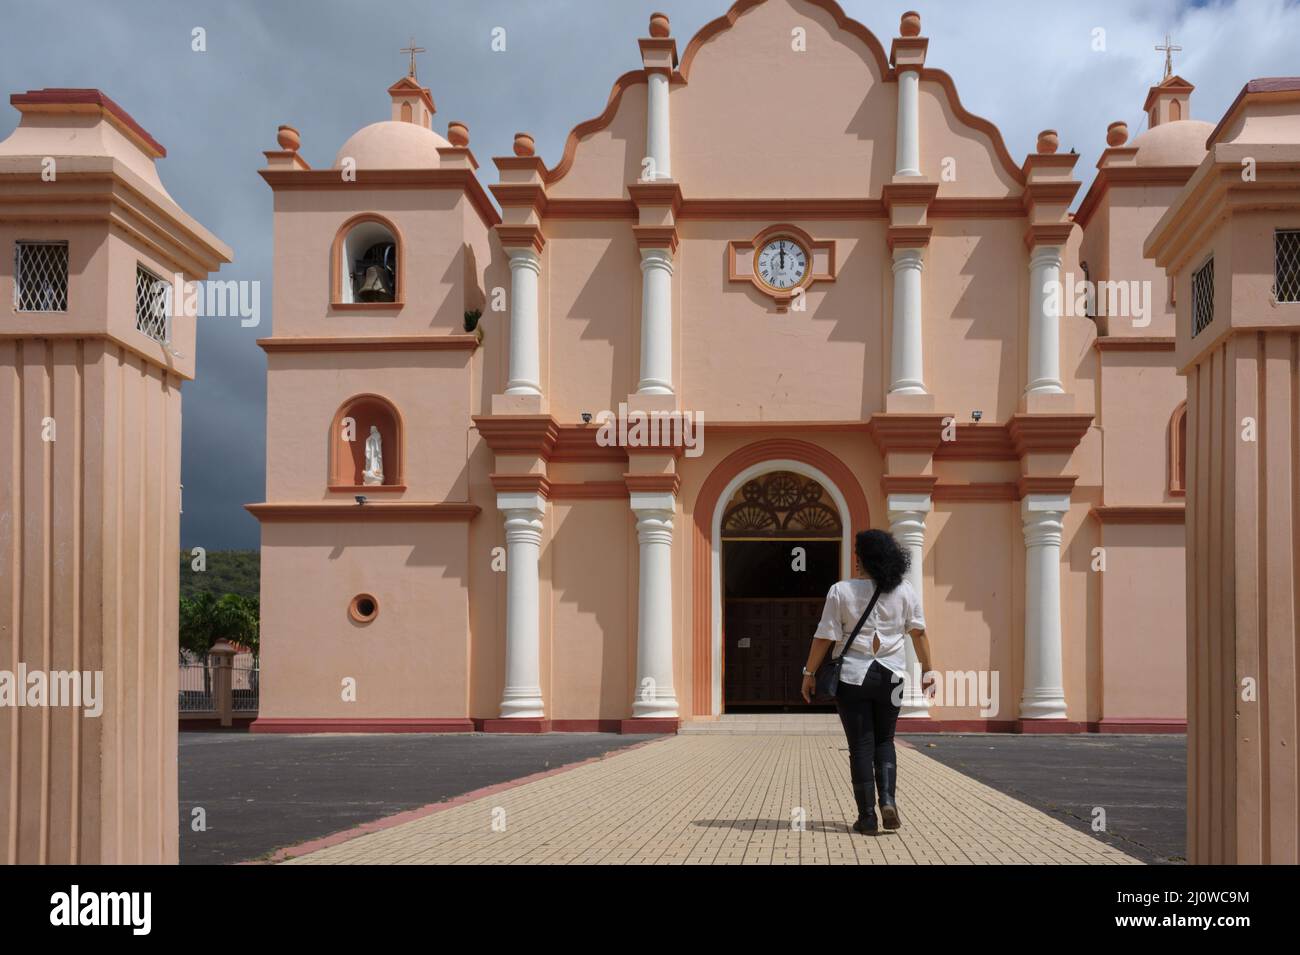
column 767, row 643
column 770, row 613
column 781, row 537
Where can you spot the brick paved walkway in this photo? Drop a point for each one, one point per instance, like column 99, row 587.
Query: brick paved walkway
column 726, row 799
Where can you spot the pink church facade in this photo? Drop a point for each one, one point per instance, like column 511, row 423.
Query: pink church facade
column 848, row 314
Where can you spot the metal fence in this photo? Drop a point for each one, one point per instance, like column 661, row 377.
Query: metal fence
column 199, row 685
column 196, row 686
column 243, row 684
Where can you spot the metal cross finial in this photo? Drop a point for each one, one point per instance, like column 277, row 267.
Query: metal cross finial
column 412, row 49
column 1169, row 50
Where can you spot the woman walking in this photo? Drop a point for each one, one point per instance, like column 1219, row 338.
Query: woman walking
column 872, row 616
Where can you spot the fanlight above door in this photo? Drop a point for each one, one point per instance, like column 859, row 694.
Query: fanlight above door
column 781, row 504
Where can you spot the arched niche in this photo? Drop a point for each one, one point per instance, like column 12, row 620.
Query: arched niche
column 366, row 239
column 347, row 441
column 1178, row 451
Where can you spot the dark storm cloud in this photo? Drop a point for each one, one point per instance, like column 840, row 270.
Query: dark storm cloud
column 323, row 67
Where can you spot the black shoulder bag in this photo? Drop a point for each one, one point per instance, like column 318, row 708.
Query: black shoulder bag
column 828, row 674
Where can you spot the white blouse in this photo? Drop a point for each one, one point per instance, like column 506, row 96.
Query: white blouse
column 896, row 614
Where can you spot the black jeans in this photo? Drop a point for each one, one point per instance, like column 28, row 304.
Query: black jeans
column 869, row 715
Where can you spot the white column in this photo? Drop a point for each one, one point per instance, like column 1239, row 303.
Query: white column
column 1044, row 372
column 906, row 371
column 1044, row 693
column 656, row 322
column 654, row 695
column 907, row 156
column 523, row 514
column 525, row 333
column 658, row 148
column 907, row 524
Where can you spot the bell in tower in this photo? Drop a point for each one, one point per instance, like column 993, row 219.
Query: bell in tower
column 375, row 277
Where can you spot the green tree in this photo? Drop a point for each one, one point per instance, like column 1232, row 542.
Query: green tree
column 205, row 619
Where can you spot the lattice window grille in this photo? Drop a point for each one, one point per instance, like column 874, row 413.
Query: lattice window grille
column 1286, row 283
column 41, row 276
column 1202, row 297
column 152, row 301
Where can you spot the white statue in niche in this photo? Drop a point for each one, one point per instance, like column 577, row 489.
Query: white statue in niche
column 374, row 471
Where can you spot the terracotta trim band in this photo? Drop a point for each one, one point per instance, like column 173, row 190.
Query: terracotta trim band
column 1054, row 233
column 670, row 483
column 908, row 236
column 518, row 434
column 656, row 237
column 979, row 442
column 660, row 193
column 413, row 179
column 363, row 488
column 1134, row 343
column 846, row 208
column 290, row 724
column 589, row 490
column 975, row 491
column 1140, row 513
column 521, row 236
column 371, row 511
column 1048, row 432
column 375, row 343
column 907, row 432
column 1045, row 484
column 577, row 442
column 529, row 483
column 908, row 483
column 589, row 209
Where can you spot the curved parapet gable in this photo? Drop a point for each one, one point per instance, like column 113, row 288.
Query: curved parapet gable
column 728, row 20
column 850, row 135
column 988, row 135
column 594, row 125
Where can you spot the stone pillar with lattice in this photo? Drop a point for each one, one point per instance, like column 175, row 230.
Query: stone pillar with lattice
column 92, row 359
column 1237, row 340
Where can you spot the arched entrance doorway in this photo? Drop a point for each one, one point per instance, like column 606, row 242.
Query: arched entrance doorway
column 781, row 546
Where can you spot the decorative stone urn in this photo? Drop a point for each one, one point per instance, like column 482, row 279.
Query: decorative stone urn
column 288, row 138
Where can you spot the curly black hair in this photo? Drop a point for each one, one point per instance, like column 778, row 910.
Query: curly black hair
column 881, row 557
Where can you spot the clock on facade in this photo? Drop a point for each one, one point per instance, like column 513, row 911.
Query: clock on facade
column 781, row 263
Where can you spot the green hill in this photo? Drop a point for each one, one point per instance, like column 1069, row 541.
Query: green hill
column 228, row 572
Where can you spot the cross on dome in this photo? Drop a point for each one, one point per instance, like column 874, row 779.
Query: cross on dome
column 412, row 49
column 1168, row 50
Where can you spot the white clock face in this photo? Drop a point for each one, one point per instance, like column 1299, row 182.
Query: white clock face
column 782, row 263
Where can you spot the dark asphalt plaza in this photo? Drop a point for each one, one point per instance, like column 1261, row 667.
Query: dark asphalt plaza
column 266, row 792
column 1140, row 780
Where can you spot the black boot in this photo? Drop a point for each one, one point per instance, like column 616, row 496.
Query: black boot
column 866, row 822
column 886, row 778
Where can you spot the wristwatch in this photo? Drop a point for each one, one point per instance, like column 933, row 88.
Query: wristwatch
column 807, row 672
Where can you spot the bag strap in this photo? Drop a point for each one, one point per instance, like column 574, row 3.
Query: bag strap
column 861, row 620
